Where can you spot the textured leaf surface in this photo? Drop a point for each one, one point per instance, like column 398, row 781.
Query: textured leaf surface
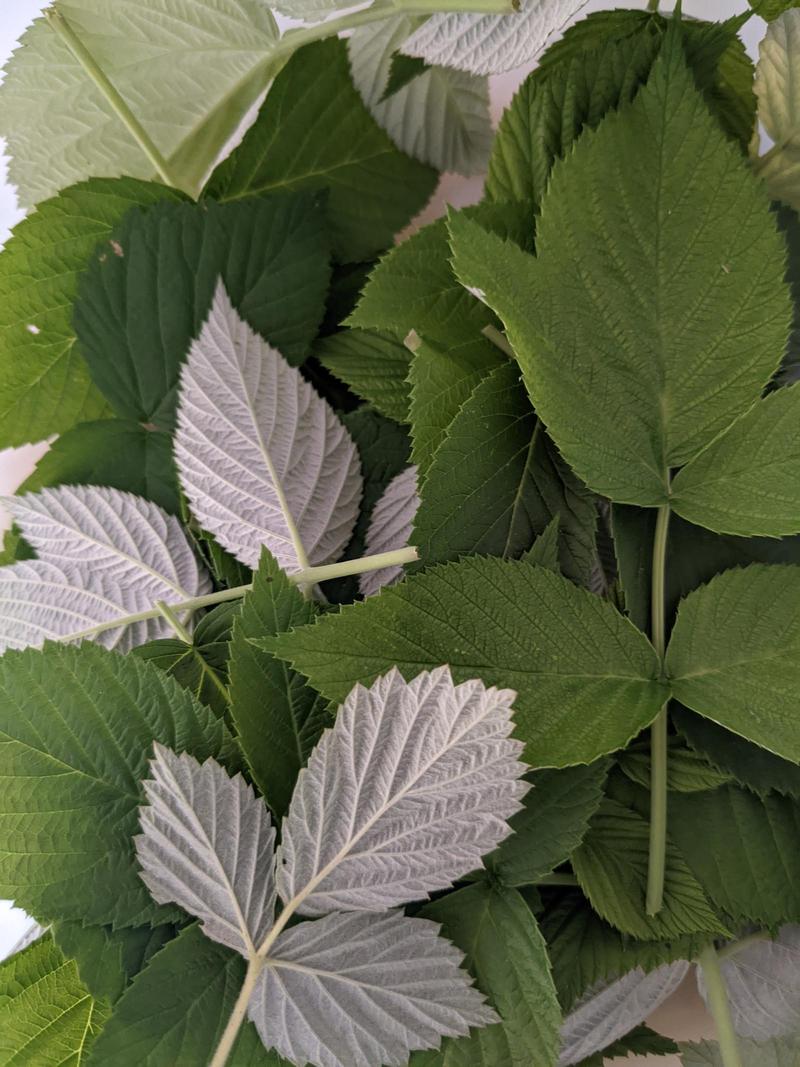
column 687, row 770
column 733, row 654
column 374, row 365
column 507, row 954
column 77, row 725
column 262, row 457
column 53, row 111
column 783, row 1053
column 586, row 678
column 313, row 132
column 108, row 959
column 45, row 386
column 207, row 844
column 611, row 865
column 779, row 106
column 746, row 481
column 47, row 1016
column 744, row 858
column 143, row 300
column 349, row 972
column 490, row 44
column 412, row 785
column 440, row 117
column 190, row 988
column 607, row 1014
column 390, row 527
column 582, row 314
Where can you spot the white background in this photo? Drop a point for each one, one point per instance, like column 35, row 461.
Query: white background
column 682, row 1017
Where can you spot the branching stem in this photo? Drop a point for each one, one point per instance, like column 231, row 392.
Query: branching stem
column 658, row 733
column 708, row 960
column 254, row 968
column 174, row 621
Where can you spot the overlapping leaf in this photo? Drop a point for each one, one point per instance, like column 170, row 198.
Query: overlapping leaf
column 262, row 457
column 412, row 785
column 779, row 107
column 108, row 959
column 375, row 366
column 782, row 1053
column 390, row 527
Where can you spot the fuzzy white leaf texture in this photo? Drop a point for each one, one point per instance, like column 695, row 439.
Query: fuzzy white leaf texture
column 490, row 44
column 609, row 1012
column 207, row 844
column 440, row 117
column 390, row 527
column 777, row 87
column 261, row 456
column 407, row 791
column 763, row 983
column 363, row 990
column 42, row 602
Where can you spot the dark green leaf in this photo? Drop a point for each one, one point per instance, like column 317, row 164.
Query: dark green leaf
column 373, row 364
column 687, row 770
column 544, row 550
column 108, row 959
column 789, row 226
column 314, row 133
column 770, row 9
column 403, row 69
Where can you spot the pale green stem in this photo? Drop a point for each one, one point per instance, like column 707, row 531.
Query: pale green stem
column 254, row 968
column 498, row 339
column 658, row 733
column 735, row 947
column 558, row 879
column 309, row 577
column 708, row 960
column 110, row 92
column 174, row 621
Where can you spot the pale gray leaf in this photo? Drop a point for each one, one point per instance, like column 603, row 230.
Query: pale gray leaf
column 610, row 1011
column 207, row 844
column 96, row 530
column 390, row 527
column 42, row 602
column 358, row 990
column 490, row 44
column 782, row 1053
column 763, row 982
column 440, row 117
column 262, row 457
column 309, row 10
column 404, row 794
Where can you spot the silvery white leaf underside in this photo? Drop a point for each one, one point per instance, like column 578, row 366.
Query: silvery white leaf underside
column 390, row 527
column 262, row 457
column 783, row 1052
column 407, row 791
column 207, row 844
column 358, row 990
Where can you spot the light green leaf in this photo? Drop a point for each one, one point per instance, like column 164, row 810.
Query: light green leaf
column 60, row 127
column 733, row 655
column 778, row 95
column 551, row 825
column 373, row 364
column 177, row 1007
column 440, row 117
column 77, row 726
column 115, row 452
column 604, row 290
column 746, row 856
column 770, row 9
column 495, row 483
column 142, row 301
column 506, row 953
column 784, row 1052
column 108, row 959
column 314, row 133
column 745, row 482
column 587, row 679
column 277, row 717
column 47, row 1016
column 687, row 770
column 44, row 384
column 611, row 865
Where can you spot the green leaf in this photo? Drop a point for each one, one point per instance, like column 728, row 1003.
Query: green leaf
column 780, row 1052
column 44, row 384
column 60, row 127
column 611, row 865
column 587, row 679
column 373, row 364
column 586, row 951
column 544, row 550
column 202, row 666
column 506, row 952
column 108, row 959
column 551, row 825
column 113, row 452
column 770, row 9
column 746, row 857
column 745, row 482
column 639, row 1042
column 733, row 655
column 47, row 1016
column 604, row 289
column 687, row 770
column 177, row 1007
column 495, row 483
column 751, row 765
column 77, row 726
column 789, row 226
column 142, row 302
column 779, row 107
column 313, row 133
column 278, row 718
column 402, row 70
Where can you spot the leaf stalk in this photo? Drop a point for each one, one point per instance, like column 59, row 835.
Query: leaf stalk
column 657, row 860
column 255, row 965
column 708, row 961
